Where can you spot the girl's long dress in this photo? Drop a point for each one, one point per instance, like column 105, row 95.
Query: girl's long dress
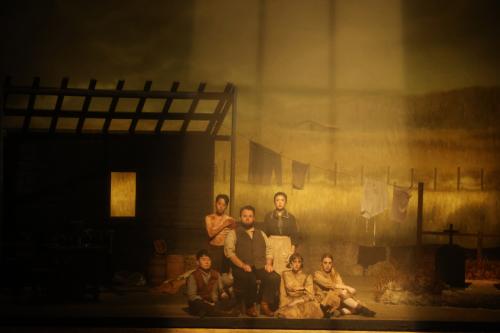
column 298, row 304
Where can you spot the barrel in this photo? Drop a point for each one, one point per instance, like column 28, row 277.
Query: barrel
column 157, row 270
column 175, row 265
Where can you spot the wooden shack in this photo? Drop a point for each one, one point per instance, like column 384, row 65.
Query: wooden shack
column 60, row 168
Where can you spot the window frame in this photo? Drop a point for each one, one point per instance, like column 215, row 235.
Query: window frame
column 108, row 202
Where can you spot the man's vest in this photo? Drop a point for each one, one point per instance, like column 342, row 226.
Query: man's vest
column 251, row 251
column 204, row 290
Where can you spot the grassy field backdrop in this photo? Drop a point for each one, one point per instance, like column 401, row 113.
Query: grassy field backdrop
column 327, row 212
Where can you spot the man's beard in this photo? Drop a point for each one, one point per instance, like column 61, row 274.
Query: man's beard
column 248, row 226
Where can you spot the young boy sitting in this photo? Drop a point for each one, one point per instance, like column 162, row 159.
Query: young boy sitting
column 206, row 296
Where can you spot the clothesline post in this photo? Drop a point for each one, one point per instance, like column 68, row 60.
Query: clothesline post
column 479, row 251
column 420, row 209
column 232, row 176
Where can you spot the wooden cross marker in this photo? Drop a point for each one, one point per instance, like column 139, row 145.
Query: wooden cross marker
column 450, row 231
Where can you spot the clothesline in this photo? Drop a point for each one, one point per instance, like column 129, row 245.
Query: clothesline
column 289, row 158
column 311, row 165
column 374, row 198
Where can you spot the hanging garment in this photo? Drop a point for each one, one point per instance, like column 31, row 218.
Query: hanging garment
column 262, row 163
column 299, row 172
column 400, row 199
column 374, row 200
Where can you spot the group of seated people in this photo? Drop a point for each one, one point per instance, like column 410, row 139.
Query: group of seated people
column 245, row 265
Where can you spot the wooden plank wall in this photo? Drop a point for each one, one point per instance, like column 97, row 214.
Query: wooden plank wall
column 52, row 180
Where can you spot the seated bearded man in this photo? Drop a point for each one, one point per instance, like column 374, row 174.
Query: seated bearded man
column 250, row 253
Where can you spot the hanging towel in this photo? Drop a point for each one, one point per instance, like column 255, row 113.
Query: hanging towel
column 262, row 163
column 299, row 172
column 374, row 200
column 400, row 199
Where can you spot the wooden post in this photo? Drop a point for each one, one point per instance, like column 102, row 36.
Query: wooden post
column 420, row 210
column 362, row 175
column 3, row 92
column 224, row 172
column 58, row 106
column 31, row 105
column 192, row 108
column 479, row 252
column 112, row 108
column 139, row 107
column 262, row 17
column 388, row 175
column 85, row 107
column 482, row 179
column 458, row 178
column 166, row 107
column 232, row 176
column 450, row 231
column 412, row 175
column 435, row 178
column 374, row 230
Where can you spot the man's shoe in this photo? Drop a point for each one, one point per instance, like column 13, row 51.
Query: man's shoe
column 251, row 311
column 265, row 310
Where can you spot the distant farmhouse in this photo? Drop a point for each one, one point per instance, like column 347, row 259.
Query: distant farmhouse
column 314, row 126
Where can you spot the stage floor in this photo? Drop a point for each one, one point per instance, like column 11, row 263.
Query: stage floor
column 145, row 309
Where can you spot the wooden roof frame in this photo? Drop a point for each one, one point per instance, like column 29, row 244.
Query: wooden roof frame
column 226, row 101
column 215, row 119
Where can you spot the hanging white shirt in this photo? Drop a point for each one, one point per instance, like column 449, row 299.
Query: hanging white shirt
column 375, row 198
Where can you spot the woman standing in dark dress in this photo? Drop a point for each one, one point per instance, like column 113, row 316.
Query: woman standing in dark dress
column 281, row 228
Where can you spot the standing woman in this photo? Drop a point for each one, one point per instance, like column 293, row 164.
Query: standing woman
column 281, row 228
column 218, row 225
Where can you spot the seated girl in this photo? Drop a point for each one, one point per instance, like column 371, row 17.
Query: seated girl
column 296, row 292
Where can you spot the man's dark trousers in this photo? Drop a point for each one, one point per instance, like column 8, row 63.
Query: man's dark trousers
column 245, row 285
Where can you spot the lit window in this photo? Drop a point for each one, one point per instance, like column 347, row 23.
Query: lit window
column 123, row 194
